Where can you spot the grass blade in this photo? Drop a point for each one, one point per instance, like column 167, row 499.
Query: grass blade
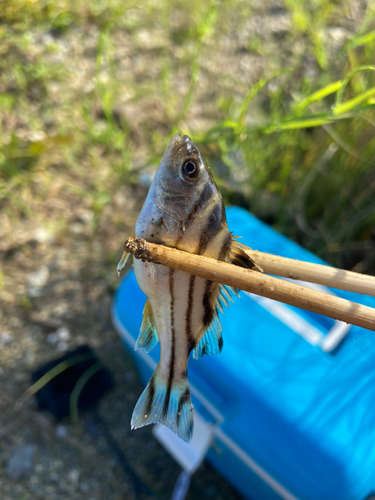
column 352, row 103
column 319, row 95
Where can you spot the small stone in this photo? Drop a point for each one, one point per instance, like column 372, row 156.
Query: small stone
column 63, row 333
column 84, row 486
column 54, row 477
column 52, row 338
column 36, row 281
column 15, row 322
column 73, row 475
column 29, row 358
column 20, row 464
column 41, row 235
column 76, row 228
column 21, row 376
column 63, row 486
column 86, row 217
column 36, row 136
column 61, row 431
column 5, row 338
column 62, row 347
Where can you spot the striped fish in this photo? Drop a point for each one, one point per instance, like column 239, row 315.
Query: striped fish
column 183, row 210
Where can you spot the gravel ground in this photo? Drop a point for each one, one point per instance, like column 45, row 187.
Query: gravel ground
column 60, row 298
column 58, row 284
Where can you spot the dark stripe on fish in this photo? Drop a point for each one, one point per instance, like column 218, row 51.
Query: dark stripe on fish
column 205, row 195
column 226, row 247
column 182, row 401
column 208, row 310
column 209, row 231
column 223, row 214
column 150, row 396
column 173, row 345
column 208, row 307
column 188, row 330
column 220, row 343
column 212, row 227
column 201, row 202
column 217, row 217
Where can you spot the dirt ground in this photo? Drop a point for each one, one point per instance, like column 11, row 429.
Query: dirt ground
column 59, row 286
column 58, row 289
column 69, row 305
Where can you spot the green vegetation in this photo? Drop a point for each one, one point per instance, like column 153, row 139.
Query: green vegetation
column 280, row 98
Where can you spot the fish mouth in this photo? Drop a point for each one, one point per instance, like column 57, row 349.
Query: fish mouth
column 180, row 146
column 176, row 143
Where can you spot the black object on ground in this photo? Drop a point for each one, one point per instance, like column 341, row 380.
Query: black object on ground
column 55, row 398
column 55, row 395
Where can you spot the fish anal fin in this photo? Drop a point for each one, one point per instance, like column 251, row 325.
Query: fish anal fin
column 225, row 291
column 239, row 257
column 148, row 337
column 177, row 415
column 212, row 340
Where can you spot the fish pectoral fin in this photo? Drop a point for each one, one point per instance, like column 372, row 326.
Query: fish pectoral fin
column 122, row 263
column 239, row 257
column 148, row 337
column 166, row 404
column 123, row 260
column 212, row 341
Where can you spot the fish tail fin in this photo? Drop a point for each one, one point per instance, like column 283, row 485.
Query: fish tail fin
column 165, row 403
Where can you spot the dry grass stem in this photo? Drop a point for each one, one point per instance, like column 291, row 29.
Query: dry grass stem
column 314, row 273
column 254, row 282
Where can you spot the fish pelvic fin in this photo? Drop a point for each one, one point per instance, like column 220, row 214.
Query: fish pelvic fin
column 148, row 337
column 239, row 257
column 123, row 260
column 165, row 403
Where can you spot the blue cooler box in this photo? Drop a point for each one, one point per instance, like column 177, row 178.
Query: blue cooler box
column 291, row 398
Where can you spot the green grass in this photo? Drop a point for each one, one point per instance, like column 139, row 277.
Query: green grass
column 91, row 91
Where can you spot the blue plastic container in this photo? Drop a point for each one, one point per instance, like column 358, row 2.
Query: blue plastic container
column 292, row 395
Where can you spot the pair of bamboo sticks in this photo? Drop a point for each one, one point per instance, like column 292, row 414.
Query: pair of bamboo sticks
column 268, row 286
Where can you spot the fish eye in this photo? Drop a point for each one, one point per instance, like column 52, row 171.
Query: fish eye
column 190, row 169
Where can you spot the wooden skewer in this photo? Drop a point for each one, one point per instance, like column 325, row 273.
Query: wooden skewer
column 254, row 282
column 314, row 273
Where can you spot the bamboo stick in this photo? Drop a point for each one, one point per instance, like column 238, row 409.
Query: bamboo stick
column 254, row 282
column 314, row 273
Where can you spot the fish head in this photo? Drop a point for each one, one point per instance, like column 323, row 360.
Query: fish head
column 184, row 183
column 183, row 199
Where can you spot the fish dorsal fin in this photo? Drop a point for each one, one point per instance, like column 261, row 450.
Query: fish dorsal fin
column 123, row 260
column 148, row 337
column 239, row 257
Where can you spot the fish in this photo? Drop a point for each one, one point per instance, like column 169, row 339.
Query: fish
column 184, row 210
